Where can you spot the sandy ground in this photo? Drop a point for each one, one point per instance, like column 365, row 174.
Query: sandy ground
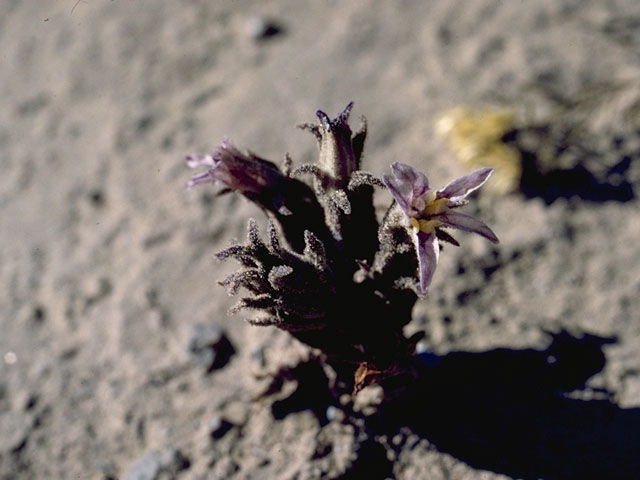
column 107, row 268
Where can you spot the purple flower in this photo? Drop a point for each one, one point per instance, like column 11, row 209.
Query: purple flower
column 235, row 170
column 428, row 210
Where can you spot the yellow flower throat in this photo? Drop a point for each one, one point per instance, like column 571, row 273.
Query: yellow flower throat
column 433, row 207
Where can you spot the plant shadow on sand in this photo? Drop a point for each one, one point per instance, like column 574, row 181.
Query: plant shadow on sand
column 587, row 179
column 577, row 181
column 504, row 410
column 508, row 411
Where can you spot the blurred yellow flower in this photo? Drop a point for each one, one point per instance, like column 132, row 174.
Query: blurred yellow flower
column 475, row 136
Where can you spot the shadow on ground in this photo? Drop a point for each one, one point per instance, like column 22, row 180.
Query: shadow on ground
column 507, row 411
column 523, row 413
column 587, row 179
column 577, row 181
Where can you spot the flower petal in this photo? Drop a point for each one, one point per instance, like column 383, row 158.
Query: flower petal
column 245, row 173
column 428, row 252
column 397, row 192
column 198, row 159
column 199, row 179
column 406, row 185
column 467, row 223
column 416, row 182
column 463, row 186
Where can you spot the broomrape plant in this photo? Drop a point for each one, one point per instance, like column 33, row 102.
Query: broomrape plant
column 329, row 272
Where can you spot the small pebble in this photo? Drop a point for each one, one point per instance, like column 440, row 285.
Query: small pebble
column 257, row 355
column 209, row 346
column 167, row 460
column 335, row 414
column 218, row 427
column 259, row 28
column 332, row 413
column 236, row 412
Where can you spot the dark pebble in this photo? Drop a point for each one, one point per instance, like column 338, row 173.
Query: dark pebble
column 209, row 346
column 218, row 427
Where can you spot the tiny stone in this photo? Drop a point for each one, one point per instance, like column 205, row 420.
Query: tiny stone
column 218, row 427
column 167, row 460
column 236, row 412
column 257, row 355
column 209, row 346
column 259, row 28
column 332, row 413
column 284, row 211
column 255, row 26
column 203, row 336
column 335, row 414
column 10, row 358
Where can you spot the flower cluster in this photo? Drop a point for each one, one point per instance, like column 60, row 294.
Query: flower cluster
column 331, row 273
